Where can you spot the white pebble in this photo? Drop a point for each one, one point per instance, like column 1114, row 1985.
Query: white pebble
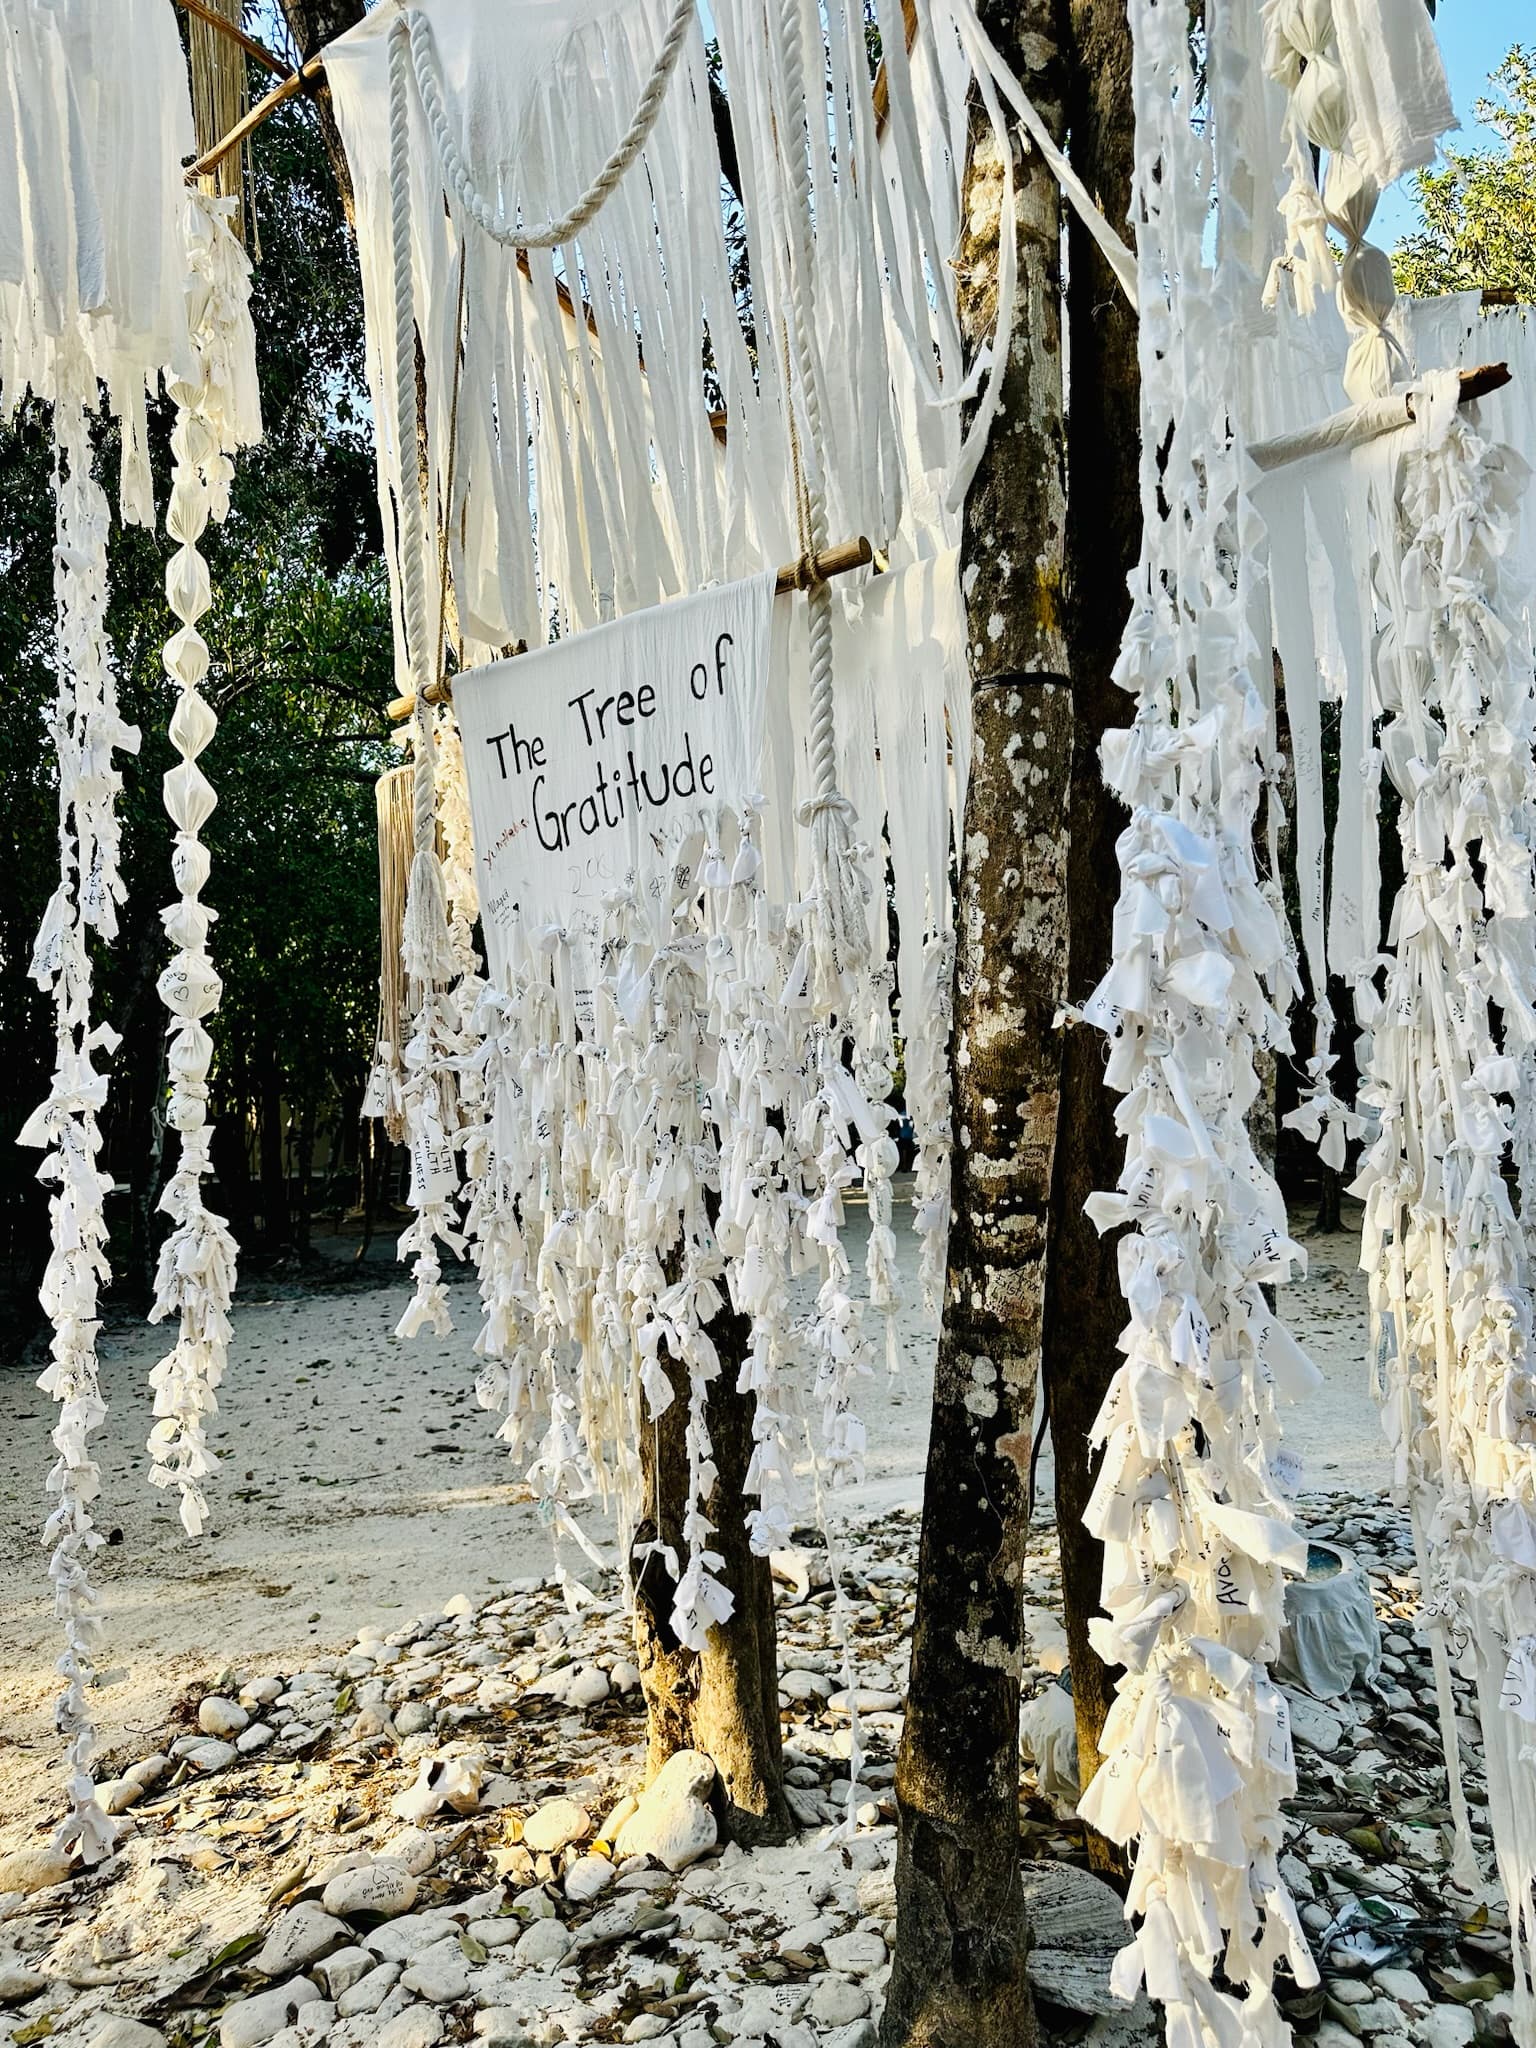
column 221, row 1717
column 555, row 1825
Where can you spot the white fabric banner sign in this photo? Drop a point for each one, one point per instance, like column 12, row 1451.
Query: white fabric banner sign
column 591, row 763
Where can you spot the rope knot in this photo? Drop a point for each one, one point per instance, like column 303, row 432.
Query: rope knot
column 832, row 802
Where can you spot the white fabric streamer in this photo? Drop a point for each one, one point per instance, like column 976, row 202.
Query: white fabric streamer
column 95, row 120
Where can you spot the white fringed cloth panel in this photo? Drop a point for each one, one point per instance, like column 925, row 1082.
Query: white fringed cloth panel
column 623, row 1153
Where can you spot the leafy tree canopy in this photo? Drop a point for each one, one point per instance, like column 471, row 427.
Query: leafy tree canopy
column 1479, row 207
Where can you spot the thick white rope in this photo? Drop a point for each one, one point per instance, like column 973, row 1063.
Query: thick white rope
column 841, row 938
column 425, row 941
column 412, row 537
column 551, row 233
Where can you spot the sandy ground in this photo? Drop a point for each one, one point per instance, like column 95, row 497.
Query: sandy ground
column 361, row 1484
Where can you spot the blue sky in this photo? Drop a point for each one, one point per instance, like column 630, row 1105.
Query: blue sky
column 1474, row 36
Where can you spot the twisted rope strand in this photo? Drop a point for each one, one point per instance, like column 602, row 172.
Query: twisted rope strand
column 413, row 577
column 812, row 500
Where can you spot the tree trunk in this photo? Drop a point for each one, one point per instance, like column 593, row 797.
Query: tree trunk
column 274, row 1165
column 305, row 1174
column 313, row 24
column 958, row 1977
column 724, row 1700
column 1084, row 1309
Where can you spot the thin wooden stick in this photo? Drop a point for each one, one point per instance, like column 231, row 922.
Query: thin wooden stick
column 1477, row 383
column 882, row 82
column 236, row 34
column 848, row 554
column 293, row 83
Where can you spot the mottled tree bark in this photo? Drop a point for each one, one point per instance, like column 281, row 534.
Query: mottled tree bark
column 958, row 1978
column 1084, row 1309
column 725, row 1699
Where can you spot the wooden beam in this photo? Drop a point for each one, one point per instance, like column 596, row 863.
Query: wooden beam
column 838, row 561
column 236, row 34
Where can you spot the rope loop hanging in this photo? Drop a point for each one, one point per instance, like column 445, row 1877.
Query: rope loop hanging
column 548, row 234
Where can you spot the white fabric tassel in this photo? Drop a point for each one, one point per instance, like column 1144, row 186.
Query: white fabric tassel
column 427, row 943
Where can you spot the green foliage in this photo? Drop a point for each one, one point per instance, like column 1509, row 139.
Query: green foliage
column 1479, row 208
column 301, row 667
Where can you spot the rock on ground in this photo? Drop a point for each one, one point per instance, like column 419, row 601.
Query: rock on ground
column 673, row 1821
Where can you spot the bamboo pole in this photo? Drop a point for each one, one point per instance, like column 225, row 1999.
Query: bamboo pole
column 836, row 561
column 294, row 82
column 236, row 34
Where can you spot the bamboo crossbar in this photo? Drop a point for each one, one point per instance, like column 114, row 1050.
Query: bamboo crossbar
column 236, row 34
column 293, row 83
column 838, row 561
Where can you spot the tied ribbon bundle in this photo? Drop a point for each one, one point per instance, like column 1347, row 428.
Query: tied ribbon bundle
column 679, row 1141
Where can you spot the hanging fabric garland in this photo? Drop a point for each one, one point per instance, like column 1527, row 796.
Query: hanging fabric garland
column 196, row 1274
column 1450, row 1286
column 1448, row 1006
column 87, row 732
column 427, row 952
column 1191, row 1500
